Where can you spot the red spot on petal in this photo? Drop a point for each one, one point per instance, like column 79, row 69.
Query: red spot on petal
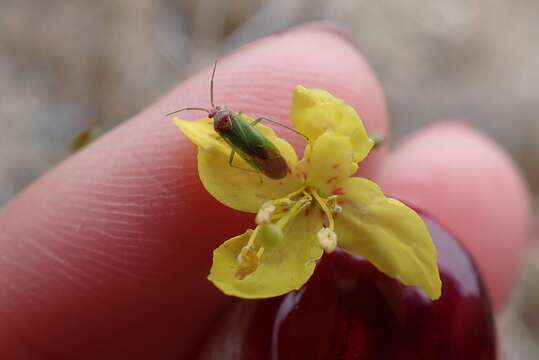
column 335, row 166
column 338, row 191
column 304, row 175
column 329, row 180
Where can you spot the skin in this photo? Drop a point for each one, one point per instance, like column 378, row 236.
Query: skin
column 106, row 255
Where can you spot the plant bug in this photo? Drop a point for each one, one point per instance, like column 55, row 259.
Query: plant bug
column 85, row 137
column 244, row 139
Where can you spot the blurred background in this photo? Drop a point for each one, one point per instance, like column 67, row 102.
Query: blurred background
column 67, row 65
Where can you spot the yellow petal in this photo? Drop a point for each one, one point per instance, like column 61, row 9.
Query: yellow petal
column 388, row 234
column 200, row 132
column 315, row 111
column 238, row 186
column 281, row 269
column 329, row 162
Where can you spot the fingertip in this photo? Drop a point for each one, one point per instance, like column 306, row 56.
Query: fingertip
column 471, row 186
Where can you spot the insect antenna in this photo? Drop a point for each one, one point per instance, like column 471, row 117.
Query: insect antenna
column 211, row 84
column 186, row 109
column 279, row 124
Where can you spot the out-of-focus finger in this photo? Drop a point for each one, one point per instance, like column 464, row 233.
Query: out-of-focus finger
column 469, row 185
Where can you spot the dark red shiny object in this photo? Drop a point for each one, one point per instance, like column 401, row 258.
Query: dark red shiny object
column 349, row 310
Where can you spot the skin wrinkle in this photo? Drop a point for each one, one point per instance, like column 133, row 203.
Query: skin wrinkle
column 66, row 214
column 143, row 177
column 96, row 197
column 114, row 190
column 22, row 294
column 130, row 239
column 141, row 244
column 123, row 202
column 108, row 211
column 139, row 205
column 124, row 267
column 64, row 267
column 20, row 266
column 109, row 259
column 119, row 269
column 97, row 232
column 153, row 178
column 105, row 194
column 78, row 245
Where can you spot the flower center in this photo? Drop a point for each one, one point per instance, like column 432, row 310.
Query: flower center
column 274, row 215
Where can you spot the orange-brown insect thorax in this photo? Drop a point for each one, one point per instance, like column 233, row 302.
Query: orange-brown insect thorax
column 222, row 120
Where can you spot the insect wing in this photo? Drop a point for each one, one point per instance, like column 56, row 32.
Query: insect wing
column 256, row 149
column 271, row 163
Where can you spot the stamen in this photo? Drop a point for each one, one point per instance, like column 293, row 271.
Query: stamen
column 247, row 262
column 266, row 212
column 295, row 210
column 294, row 194
column 325, row 209
column 333, row 205
column 248, row 258
column 327, row 239
column 263, row 215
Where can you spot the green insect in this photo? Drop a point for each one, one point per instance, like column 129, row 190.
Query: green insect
column 244, row 139
column 85, row 137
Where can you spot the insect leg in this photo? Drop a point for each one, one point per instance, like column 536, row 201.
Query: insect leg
column 259, row 119
column 231, row 158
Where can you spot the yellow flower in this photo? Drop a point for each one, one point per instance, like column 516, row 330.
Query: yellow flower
column 315, row 208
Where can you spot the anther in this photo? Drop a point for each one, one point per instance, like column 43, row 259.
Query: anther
column 264, row 213
column 327, row 239
column 336, row 209
column 247, row 262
